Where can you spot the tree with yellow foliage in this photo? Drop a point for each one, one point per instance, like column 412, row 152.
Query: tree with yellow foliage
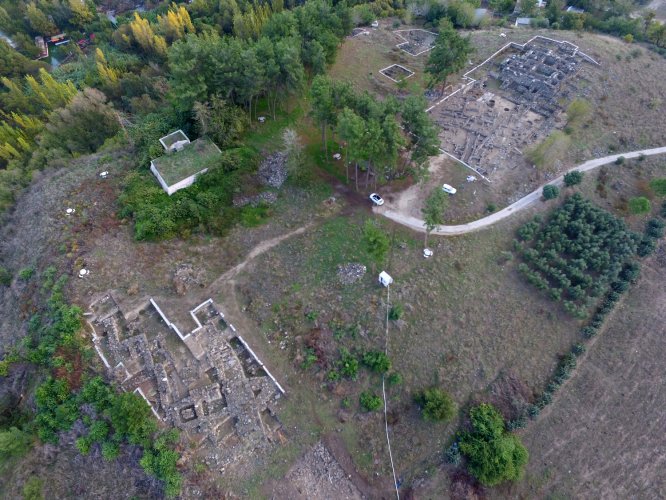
column 107, row 75
column 145, row 37
column 80, row 13
column 175, row 23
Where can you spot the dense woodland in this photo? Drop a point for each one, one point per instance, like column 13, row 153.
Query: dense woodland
column 210, row 67
column 154, row 69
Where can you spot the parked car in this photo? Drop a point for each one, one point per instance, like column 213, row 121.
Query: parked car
column 449, row 189
column 376, row 199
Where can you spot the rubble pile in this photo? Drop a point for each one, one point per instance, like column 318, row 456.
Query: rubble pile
column 273, row 170
column 185, row 278
column 268, row 197
column 350, row 273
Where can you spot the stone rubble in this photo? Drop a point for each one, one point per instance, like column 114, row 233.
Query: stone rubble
column 273, row 170
column 350, row 273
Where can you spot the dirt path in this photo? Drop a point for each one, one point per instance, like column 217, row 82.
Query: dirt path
column 399, row 213
column 255, row 252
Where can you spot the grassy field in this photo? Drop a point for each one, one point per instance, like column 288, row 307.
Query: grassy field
column 360, row 59
column 465, row 328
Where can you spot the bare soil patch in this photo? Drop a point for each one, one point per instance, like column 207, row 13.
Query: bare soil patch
column 318, row 476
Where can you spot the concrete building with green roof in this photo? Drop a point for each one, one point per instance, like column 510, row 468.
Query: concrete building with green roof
column 183, row 162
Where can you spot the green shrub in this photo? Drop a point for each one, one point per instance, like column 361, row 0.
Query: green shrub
column 13, row 443
column 394, row 379
column 26, row 273
column 310, row 358
column 658, row 186
column 639, row 205
column 578, row 349
column 662, row 212
column 377, row 361
column 436, row 404
column 619, row 160
column 493, row 455
column 5, row 277
column 517, row 423
column 491, row 207
column 550, row 192
column 370, row 401
column 110, row 450
column 160, row 461
column 255, row 216
column 572, row 178
column 396, row 312
column 646, row 246
column 348, row 364
column 655, row 228
column 33, row 489
column 83, row 444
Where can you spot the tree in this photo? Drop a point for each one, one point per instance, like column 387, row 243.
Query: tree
column 175, row 24
column 528, row 7
column 221, row 121
column 433, row 211
column 436, row 404
column 13, row 442
column 322, row 106
column 376, row 242
column 421, row 132
column 550, row 192
column 291, row 74
column 82, row 126
column 131, row 417
column 293, row 149
column 145, row 37
column 639, row 205
column 448, row 56
column 572, row 178
column 350, row 129
column 493, row 455
column 80, row 13
column 39, row 23
column 107, row 75
column 577, row 111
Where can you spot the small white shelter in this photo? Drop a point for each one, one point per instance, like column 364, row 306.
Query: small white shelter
column 385, row 278
column 183, row 162
column 175, row 141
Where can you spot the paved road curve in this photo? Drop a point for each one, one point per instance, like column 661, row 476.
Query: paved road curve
column 530, row 199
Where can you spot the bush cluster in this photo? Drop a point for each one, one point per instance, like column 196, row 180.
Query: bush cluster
column 577, row 254
column 370, row 401
column 436, row 404
column 204, row 206
column 572, row 178
column 550, row 192
column 493, row 454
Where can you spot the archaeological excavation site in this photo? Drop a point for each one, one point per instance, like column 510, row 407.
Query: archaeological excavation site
column 207, row 382
column 509, row 103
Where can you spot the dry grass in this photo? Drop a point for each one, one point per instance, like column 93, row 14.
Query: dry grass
column 466, row 323
column 602, row 436
column 360, row 58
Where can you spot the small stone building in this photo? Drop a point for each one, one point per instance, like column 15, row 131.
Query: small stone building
column 183, row 162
